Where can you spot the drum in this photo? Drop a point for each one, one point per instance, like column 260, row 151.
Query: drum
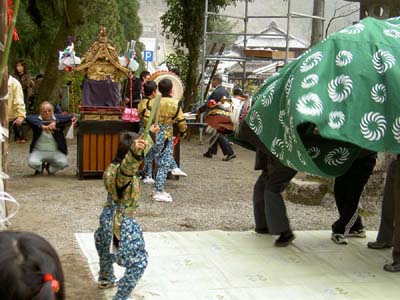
column 241, row 107
column 219, row 114
column 177, row 85
column 231, row 113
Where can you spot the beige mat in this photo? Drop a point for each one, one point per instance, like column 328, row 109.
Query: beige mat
column 218, row 265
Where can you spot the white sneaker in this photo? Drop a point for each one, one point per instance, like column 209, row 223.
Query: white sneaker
column 148, row 180
column 178, row 172
column 162, row 197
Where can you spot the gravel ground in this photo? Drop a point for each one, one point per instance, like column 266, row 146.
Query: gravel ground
column 216, row 195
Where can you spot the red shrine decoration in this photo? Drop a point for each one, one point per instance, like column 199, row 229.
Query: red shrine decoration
column 9, row 18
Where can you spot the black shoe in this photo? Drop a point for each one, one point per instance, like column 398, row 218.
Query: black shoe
column 261, row 230
column 284, row 239
column 209, row 155
column 394, row 267
column 229, row 157
column 379, row 245
column 47, row 168
column 37, row 173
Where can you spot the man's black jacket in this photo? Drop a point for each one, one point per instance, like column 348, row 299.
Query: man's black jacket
column 61, row 121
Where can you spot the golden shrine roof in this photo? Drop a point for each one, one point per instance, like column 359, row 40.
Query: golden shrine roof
column 100, row 53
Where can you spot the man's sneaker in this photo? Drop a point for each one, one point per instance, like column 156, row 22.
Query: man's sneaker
column 394, row 267
column 178, row 172
column 339, row 239
column 105, row 284
column 148, row 180
column 162, row 197
column 229, row 157
column 379, row 245
column 360, row 233
column 209, row 155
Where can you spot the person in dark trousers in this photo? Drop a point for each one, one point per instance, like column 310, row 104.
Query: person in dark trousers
column 384, row 238
column 221, row 140
column 389, row 229
column 269, row 208
column 347, row 191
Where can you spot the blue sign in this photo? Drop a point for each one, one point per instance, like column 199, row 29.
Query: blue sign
column 148, row 56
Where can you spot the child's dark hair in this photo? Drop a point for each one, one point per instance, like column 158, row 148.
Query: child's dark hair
column 149, row 88
column 237, row 91
column 30, row 268
column 125, row 142
column 165, row 87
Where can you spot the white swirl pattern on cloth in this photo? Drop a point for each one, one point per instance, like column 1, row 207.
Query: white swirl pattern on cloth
column 281, row 117
column 396, row 130
column 373, row 126
column 310, row 105
column 277, row 148
column 310, row 81
column 256, row 123
column 383, row 61
column 355, row 29
column 336, row 119
column 340, row 88
column 301, row 159
column 378, row 93
column 314, row 152
column 312, row 61
column 337, row 157
column 343, row 58
column 268, row 95
column 288, row 140
column 288, row 86
column 392, row 33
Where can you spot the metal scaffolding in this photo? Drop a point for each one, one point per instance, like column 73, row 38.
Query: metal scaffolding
column 212, row 57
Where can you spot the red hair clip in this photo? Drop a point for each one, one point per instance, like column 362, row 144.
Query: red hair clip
column 55, row 285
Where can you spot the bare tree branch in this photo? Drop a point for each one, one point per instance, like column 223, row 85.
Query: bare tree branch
column 338, row 17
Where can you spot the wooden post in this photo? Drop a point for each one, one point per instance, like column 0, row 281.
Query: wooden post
column 317, row 33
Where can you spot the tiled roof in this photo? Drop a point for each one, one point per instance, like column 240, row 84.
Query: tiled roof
column 277, row 40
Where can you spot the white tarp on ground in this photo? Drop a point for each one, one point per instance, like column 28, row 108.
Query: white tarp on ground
column 218, row 265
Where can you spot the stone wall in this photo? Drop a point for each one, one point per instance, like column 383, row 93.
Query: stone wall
column 312, row 190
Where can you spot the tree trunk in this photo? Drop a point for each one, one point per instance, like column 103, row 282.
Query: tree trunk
column 191, row 79
column 49, row 89
column 317, row 25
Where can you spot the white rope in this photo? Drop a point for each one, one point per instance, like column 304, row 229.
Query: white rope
column 4, row 98
column 13, row 208
column 4, row 132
